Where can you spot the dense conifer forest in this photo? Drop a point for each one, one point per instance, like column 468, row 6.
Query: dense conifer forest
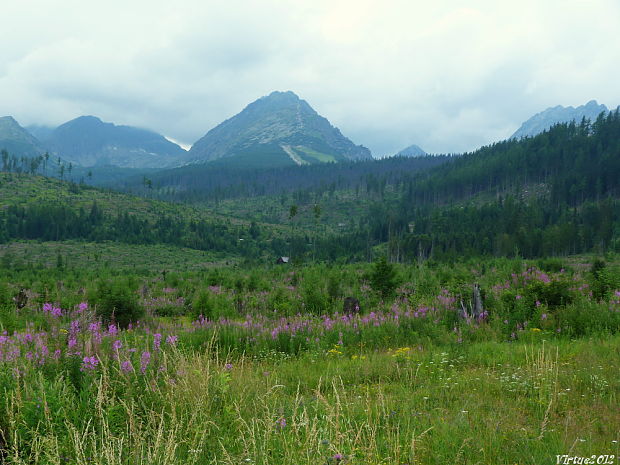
column 553, row 194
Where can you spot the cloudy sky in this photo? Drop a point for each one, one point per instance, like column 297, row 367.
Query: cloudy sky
column 449, row 75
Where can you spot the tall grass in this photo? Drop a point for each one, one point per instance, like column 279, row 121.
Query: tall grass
column 410, row 380
column 482, row 403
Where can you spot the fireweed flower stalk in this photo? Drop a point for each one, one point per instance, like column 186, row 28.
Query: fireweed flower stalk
column 52, row 310
column 145, row 359
column 126, row 366
column 156, row 341
column 116, row 347
column 89, row 363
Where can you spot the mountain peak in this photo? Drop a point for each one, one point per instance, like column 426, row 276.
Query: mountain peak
column 411, row 151
column 283, row 95
column 8, row 120
column 279, row 129
column 88, row 118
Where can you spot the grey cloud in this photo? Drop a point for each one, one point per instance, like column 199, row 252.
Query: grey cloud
column 445, row 77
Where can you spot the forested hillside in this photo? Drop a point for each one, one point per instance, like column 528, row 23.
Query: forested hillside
column 45, row 209
column 553, row 194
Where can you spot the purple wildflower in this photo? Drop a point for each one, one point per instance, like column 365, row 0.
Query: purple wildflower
column 144, row 361
column 89, row 363
column 172, row 340
column 156, row 341
column 126, row 366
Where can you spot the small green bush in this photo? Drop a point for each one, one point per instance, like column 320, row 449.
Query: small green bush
column 383, row 278
column 203, row 305
column 314, row 296
column 116, row 302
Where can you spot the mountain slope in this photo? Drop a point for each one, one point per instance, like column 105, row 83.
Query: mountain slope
column 41, row 132
column 544, row 120
column 88, row 141
column 556, row 193
column 16, row 140
column 569, row 163
column 279, row 129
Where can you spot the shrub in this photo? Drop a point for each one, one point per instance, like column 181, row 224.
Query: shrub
column 203, row 305
column 116, row 302
column 315, row 299
column 588, row 319
column 550, row 265
column 603, row 279
column 334, row 285
column 554, row 294
column 383, row 278
column 213, row 306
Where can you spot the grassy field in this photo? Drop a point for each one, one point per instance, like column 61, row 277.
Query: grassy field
column 488, row 403
column 261, row 366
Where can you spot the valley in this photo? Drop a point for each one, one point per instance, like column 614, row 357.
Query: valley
column 274, row 295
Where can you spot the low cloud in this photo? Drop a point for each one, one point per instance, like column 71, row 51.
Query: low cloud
column 445, row 77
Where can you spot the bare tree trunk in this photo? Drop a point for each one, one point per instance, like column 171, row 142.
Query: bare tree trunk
column 477, row 301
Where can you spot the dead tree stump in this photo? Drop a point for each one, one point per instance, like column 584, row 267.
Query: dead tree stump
column 21, row 299
column 351, row 305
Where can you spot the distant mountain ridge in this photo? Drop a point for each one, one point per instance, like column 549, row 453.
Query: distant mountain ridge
column 88, row 141
column 544, row 120
column 411, row 151
column 18, row 141
column 279, row 129
column 40, row 131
